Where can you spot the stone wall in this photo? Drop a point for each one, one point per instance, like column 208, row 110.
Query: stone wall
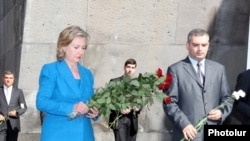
column 229, row 37
column 153, row 32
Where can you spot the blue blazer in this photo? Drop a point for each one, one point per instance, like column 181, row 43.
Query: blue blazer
column 57, row 94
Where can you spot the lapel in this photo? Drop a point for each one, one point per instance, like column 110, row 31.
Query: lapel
column 208, row 72
column 12, row 95
column 68, row 77
column 84, row 84
column 2, row 94
column 187, row 65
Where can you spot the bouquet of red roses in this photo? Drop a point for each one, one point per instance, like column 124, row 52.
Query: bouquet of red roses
column 129, row 92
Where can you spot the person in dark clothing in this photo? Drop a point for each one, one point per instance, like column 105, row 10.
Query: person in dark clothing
column 13, row 105
column 242, row 106
column 126, row 127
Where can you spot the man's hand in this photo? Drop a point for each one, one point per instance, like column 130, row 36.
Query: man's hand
column 2, row 118
column 12, row 113
column 214, row 114
column 136, row 109
column 126, row 111
column 189, row 132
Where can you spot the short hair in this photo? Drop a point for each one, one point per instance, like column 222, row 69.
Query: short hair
column 130, row 61
column 196, row 32
column 67, row 36
column 8, row 72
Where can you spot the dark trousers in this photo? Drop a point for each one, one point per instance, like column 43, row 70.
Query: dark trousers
column 123, row 133
column 12, row 135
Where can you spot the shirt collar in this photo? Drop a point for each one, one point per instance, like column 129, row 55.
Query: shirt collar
column 5, row 87
column 195, row 62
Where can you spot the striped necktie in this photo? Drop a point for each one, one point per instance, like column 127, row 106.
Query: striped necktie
column 200, row 74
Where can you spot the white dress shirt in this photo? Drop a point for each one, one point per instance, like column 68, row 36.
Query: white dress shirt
column 7, row 92
column 194, row 64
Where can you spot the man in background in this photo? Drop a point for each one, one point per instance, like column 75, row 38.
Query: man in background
column 127, row 125
column 12, row 105
column 242, row 106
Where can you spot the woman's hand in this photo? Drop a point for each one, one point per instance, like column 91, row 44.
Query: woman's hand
column 81, row 108
column 93, row 113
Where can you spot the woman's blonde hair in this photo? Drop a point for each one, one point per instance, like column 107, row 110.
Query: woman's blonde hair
column 66, row 37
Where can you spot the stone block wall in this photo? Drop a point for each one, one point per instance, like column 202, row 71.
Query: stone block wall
column 153, row 32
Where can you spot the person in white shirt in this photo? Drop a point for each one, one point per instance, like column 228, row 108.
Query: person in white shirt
column 12, row 106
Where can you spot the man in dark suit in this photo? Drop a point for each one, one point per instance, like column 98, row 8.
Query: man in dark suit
column 196, row 90
column 13, row 105
column 242, row 106
column 127, row 125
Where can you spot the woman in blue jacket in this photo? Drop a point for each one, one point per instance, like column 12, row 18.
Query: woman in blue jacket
column 64, row 88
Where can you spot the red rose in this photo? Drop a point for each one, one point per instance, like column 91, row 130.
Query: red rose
column 168, row 81
column 159, row 72
column 161, row 86
column 167, row 100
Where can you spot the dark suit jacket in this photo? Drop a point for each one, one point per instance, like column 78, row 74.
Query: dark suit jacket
column 133, row 117
column 242, row 106
column 17, row 99
column 190, row 100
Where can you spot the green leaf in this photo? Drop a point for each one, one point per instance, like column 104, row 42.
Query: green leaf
column 100, row 101
column 160, row 96
column 108, row 100
column 135, row 83
column 112, row 107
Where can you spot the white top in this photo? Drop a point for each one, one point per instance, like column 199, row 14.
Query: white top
column 7, row 92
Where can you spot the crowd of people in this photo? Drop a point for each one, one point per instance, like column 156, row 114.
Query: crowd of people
column 65, row 86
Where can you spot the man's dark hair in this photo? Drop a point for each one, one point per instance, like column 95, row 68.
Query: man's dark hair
column 130, row 61
column 8, row 72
